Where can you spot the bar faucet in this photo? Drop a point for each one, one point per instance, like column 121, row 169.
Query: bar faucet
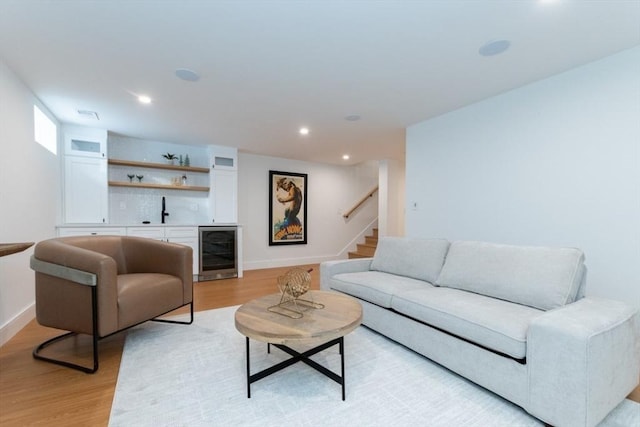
column 164, row 208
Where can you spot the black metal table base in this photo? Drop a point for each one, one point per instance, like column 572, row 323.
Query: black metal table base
column 299, row 357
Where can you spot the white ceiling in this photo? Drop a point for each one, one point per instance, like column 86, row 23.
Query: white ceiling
column 268, row 67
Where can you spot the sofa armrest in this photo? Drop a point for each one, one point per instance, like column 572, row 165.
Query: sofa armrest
column 584, row 359
column 329, row 269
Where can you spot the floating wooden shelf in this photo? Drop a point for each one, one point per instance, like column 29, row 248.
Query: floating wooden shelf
column 157, row 186
column 132, row 163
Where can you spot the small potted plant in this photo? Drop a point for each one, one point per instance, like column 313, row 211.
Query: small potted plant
column 171, row 158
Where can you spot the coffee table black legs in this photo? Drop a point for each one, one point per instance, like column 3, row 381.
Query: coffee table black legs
column 299, row 357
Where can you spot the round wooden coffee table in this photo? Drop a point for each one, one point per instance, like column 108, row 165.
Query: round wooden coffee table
column 322, row 327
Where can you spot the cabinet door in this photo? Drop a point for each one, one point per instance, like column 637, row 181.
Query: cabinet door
column 85, row 142
column 224, row 158
column 86, row 194
column 225, row 193
column 85, row 231
column 156, row 233
column 193, row 244
column 186, row 236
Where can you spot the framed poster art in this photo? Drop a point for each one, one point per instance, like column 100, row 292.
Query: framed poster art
column 287, row 208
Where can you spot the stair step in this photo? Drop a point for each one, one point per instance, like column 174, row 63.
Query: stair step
column 357, row 255
column 370, row 240
column 366, row 249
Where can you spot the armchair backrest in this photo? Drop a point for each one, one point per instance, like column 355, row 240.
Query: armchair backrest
column 111, row 246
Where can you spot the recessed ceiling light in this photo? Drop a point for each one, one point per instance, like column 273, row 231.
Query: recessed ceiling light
column 144, row 99
column 352, row 118
column 304, row 131
column 187, row 75
column 494, row 47
column 345, row 157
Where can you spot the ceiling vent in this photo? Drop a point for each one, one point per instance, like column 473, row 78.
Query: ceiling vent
column 88, row 114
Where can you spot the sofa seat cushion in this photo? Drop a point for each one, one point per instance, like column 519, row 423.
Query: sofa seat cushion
column 420, row 259
column 540, row 277
column 492, row 323
column 142, row 296
column 374, row 286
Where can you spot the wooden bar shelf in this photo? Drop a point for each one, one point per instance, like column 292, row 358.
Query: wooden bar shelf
column 116, row 162
column 157, row 186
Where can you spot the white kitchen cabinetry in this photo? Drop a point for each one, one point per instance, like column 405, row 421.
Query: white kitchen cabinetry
column 156, row 233
column 224, row 184
column 225, row 193
column 85, row 141
column 224, row 158
column 86, row 194
column 91, row 231
column 86, row 145
column 186, row 235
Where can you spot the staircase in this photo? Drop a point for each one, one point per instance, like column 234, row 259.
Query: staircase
column 368, row 248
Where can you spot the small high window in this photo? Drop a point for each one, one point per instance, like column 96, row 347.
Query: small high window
column 45, row 131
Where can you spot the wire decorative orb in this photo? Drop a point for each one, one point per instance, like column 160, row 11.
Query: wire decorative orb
column 294, row 282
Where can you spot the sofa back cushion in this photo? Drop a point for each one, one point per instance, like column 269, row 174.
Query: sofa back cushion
column 539, row 277
column 416, row 258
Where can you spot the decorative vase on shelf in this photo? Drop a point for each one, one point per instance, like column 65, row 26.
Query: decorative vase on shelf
column 187, row 162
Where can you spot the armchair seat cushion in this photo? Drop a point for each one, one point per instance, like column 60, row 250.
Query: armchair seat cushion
column 142, row 296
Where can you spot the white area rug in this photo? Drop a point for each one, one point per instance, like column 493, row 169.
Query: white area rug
column 176, row 375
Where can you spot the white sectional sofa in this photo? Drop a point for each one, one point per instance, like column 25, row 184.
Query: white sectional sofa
column 512, row 319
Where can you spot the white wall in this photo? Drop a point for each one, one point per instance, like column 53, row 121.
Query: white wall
column 391, row 200
column 331, row 191
column 556, row 162
column 29, row 197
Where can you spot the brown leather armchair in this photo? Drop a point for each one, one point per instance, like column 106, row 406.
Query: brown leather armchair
column 101, row 285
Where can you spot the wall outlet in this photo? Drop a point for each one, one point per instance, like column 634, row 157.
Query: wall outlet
column 123, row 206
column 194, row 207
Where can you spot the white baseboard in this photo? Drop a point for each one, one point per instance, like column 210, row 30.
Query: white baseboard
column 290, row 262
column 13, row 326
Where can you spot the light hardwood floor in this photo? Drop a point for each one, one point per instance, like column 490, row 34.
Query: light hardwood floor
column 34, row 393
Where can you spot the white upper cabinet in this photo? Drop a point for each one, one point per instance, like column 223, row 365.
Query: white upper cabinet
column 85, row 142
column 225, row 190
column 224, row 158
column 224, row 184
column 86, row 195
